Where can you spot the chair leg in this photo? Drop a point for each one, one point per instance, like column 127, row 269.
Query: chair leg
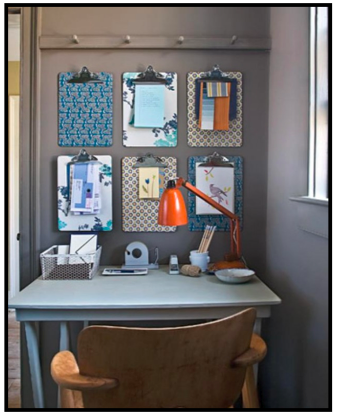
column 250, row 398
column 66, row 399
column 71, row 399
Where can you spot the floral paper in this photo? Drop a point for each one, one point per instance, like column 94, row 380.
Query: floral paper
column 70, row 222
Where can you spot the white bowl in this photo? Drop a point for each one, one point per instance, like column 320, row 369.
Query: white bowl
column 234, row 275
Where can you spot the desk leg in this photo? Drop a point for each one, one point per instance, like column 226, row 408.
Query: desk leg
column 257, row 330
column 64, row 336
column 34, row 364
column 64, row 345
column 250, row 398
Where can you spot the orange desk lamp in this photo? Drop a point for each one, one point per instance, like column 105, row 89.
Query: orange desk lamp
column 172, row 212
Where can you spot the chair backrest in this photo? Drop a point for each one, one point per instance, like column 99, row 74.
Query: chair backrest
column 188, row 366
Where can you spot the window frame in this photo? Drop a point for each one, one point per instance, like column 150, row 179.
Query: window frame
column 318, row 180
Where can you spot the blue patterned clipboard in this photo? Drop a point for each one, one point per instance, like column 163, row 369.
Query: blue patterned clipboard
column 85, row 111
column 199, row 222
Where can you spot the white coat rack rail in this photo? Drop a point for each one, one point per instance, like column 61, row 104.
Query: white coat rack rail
column 76, row 41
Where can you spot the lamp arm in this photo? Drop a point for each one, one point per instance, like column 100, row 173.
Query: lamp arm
column 234, row 225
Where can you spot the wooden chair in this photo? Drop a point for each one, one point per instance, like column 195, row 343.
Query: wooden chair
column 199, row 366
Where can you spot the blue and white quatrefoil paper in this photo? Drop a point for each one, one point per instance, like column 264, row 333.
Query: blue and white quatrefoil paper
column 85, row 112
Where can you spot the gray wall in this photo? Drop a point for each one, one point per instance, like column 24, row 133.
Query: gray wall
column 286, row 279
column 198, row 21
column 295, row 372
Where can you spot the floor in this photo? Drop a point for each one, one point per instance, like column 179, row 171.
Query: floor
column 13, row 361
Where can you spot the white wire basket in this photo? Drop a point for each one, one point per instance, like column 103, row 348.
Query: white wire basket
column 69, row 266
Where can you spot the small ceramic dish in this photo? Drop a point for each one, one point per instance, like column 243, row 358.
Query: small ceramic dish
column 234, row 275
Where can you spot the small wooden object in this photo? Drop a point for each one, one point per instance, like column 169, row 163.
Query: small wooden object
column 190, row 270
column 197, row 366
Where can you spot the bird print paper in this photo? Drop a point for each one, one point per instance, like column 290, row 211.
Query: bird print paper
column 218, row 184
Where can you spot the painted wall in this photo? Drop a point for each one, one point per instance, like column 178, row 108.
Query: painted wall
column 14, row 21
column 13, row 77
column 195, row 21
column 198, row 21
column 293, row 262
column 295, row 372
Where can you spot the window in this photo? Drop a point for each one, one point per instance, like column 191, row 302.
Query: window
column 319, row 103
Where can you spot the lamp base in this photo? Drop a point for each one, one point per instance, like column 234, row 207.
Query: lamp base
column 232, row 261
column 223, row 264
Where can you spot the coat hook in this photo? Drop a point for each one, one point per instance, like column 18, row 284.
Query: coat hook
column 127, row 39
column 181, row 40
column 75, row 39
column 234, row 39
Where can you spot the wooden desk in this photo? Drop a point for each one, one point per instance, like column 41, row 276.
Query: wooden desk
column 156, row 296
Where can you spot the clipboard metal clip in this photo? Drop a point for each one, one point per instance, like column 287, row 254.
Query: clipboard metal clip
column 150, row 76
column 149, row 161
column 216, row 160
column 216, row 74
column 83, row 156
column 85, row 76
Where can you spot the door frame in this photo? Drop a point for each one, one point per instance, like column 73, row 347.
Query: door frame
column 30, row 145
column 14, row 200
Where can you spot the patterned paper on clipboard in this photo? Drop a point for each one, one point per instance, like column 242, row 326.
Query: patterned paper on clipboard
column 140, row 215
column 199, row 222
column 85, row 111
column 165, row 136
column 197, row 137
column 98, row 222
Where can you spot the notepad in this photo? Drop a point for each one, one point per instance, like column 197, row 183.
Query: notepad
column 149, row 106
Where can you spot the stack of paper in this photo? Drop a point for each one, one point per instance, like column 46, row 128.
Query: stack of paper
column 85, row 194
column 214, row 105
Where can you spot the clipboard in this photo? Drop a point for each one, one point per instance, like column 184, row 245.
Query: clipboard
column 96, row 222
column 197, row 137
column 166, row 136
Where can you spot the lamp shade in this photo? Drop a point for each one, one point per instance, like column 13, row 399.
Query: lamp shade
column 172, row 208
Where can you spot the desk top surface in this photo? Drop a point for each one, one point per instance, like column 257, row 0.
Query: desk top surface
column 157, row 289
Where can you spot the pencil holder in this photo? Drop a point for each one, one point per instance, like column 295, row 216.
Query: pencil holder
column 199, row 259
